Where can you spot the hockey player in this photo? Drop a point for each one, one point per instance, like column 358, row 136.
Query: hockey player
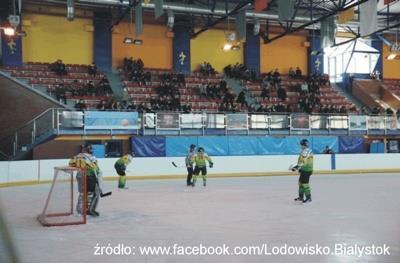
column 200, row 160
column 120, row 167
column 189, row 164
column 305, row 167
column 88, row 162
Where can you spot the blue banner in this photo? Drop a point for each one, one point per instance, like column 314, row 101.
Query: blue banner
column 179, row 146
column 102, row 39
column 319, row 144
column 181, row 49
column 239, row 145
column 148, row 146
column 349, row 144
column 315, row 56
column 214, row 145
column 11, row 50
column 111, row 120
column 252, row 51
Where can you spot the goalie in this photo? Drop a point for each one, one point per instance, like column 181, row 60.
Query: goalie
column 305, row 167
column 200, row 160
column 88, row 162
column 120, row 167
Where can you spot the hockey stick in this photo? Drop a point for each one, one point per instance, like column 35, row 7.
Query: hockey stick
column 105, row 194
column 175, row 165
column 100, row 188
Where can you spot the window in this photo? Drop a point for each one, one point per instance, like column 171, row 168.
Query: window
column 353, row 57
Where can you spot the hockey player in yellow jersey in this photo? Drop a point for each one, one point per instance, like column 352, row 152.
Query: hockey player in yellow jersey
column 305, row 167
column 120, row 167
column 88, row 162
column 200, row 160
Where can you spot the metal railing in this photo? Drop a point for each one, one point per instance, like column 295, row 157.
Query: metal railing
column 63, row 121
column 40, row 128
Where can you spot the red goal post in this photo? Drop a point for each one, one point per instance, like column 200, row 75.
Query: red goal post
column 66, row 200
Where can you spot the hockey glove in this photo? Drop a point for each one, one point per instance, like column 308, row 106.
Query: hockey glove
column 211, row 165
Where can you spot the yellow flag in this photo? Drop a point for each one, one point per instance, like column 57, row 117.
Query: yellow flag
column 346, row 16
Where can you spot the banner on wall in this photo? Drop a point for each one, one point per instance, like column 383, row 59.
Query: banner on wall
column 71, row 119
column 319, row 122
column 215, row 121
column 168, row 121
column 279, row 121
column 150, row 120
column 111, row 120
column 259, row 121
column 392, row 122
column 192, row 121
column 376, row 122
column 338, row 122
column 300, row 122
column 358, row 123
column 236, row 121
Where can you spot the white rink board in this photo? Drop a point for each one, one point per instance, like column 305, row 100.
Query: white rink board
column 18, row 171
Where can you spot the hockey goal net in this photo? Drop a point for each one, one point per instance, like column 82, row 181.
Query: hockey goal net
column 66, row 201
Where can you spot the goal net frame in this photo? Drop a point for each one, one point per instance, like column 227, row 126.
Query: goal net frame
column 49, row 218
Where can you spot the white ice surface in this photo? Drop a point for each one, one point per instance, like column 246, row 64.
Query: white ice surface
column 352, row 209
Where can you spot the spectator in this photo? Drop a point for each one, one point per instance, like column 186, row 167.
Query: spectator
column 92, row 69
column 242, row 99
column 292, row 73
column 327, row 150
column 299, row 74
column 59, row 68
column 281, row 93
column 80, row 105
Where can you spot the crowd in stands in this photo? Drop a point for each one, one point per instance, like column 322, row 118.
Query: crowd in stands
column 295, row 74
column 213, row 90
column 77, row 89
column 206, row 69
column 378, row 111
column 58, row 67
column 240, row 72
column 134, row 68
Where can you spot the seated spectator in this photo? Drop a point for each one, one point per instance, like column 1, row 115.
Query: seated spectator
column 327, row 150
column 304, row 87
column 92, row 69
column 281, row 93
column 206, row 69
column 389, row 111
column 242, row 99
column 292, row 73
column 59, row 68
column 299, row 74
column 264, row 93
column 80, row 105
column 102, row 106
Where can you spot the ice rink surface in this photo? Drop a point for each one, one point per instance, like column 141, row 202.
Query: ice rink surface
column 361, row 210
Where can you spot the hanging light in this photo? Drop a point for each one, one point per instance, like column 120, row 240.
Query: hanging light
column 9, row 31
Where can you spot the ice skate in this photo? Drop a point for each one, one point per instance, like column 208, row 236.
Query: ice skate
column 307, row 200
column 299, row 199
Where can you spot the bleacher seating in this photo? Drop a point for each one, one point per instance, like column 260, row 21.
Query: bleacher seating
column 327, row 94
column 393, row 85
column 188, row 94
column 39, row 75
